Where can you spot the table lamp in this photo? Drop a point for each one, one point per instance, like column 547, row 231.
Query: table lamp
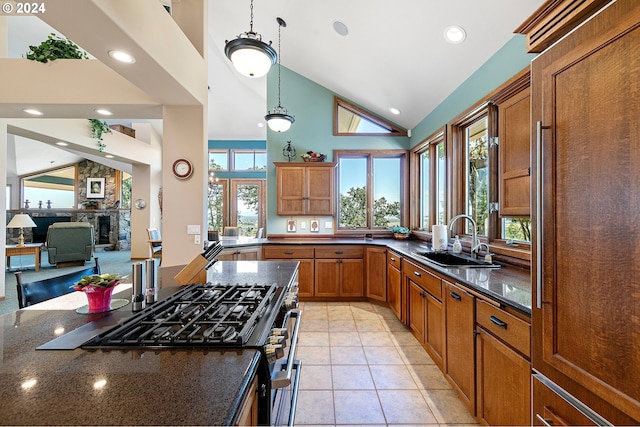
column 20, row 221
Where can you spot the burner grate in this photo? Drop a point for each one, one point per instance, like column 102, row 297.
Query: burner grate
column 198, row 315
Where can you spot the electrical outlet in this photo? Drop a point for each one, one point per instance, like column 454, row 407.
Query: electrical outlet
column 193, row 229
column 303, row 225
column 196, row 239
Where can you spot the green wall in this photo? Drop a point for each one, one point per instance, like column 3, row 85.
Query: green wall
column 312, row 106
column 503, row 65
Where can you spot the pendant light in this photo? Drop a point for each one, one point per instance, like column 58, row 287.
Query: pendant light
column 249, row 55
column 278, row 119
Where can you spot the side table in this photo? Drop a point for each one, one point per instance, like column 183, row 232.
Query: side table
column 27, row 249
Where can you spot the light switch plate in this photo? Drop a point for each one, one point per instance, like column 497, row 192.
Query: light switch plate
column 193, row 229
column 303, row 225
column 328, row 224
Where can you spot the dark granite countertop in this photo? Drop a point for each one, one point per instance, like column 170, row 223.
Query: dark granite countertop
column 508, row 285
column 81, row 387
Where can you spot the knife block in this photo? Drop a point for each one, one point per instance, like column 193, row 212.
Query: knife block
column 193, row 272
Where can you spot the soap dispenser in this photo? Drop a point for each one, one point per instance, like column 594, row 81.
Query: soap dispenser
column 457, row 246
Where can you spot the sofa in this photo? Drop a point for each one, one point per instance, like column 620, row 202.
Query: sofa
column 70, row 243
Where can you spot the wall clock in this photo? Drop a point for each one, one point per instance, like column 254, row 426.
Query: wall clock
column 182, row 168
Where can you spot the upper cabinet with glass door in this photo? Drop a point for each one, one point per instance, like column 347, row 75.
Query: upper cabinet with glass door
column 350, row 120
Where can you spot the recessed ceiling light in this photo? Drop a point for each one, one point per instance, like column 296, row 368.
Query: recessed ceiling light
column 33, row 112
column 455, row 34
column 62, row 143
column 340, row 28
column 394, row 111
column 122, row 56
column 103, row 112
column 109, row 156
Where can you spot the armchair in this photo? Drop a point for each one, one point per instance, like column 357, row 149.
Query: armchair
column 70, row 243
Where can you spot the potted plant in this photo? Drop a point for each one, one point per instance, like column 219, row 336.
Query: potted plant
column 98, row 288
column 99, row 128
column 400, row 232
column 55, row 47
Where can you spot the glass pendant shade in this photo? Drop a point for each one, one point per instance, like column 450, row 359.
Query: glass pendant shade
column 279, row 120
column 250, row 56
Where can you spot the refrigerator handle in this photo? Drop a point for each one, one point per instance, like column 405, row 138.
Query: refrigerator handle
column 539, row 222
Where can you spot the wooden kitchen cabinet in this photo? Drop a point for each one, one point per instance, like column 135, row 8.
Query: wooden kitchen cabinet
column 514, row 140
column 394, row 285
column 249, row 410
column 305, row 188
column 585, row 110
column 503, row 370
column 304, row 255
column 417, row 310
column 426, row 312
column 376, row 279
column 460, row 342
column 339, row 271
column 339, row 277
column 247, row 253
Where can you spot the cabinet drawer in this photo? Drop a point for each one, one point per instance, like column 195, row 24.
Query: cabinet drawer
column 342, row 251
column 287, row 252
column 510, row 329
column 429, row 282
column 394, row 259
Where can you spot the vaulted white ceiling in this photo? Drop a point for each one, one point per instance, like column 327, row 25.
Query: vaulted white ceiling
column 395, row 54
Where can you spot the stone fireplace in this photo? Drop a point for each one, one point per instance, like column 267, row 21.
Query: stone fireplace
column 112, row 227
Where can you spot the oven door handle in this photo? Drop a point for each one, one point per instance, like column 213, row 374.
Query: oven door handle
column 294, row 397
column 282, row 379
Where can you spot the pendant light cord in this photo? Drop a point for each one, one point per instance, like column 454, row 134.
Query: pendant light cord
column 280, row 23
column 251, row 22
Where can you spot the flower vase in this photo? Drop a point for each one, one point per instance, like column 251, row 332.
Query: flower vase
column 99, row 298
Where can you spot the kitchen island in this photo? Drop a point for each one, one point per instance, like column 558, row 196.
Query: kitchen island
column 131, row 387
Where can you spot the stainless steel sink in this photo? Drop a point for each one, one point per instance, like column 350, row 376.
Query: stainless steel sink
column 449, row 259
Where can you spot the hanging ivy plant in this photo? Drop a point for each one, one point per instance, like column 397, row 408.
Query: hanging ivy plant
column 55, row 47
column 99, row 128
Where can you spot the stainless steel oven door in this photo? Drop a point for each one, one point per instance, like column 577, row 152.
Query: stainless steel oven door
column 285, row 374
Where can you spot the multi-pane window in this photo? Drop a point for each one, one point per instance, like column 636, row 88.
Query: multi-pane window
column 432, row 181
column 516, row 229
column 216, row 203
column 249, row 160
column 476, row 148
column 247, row 205
column 218, row 160
column 371, row 189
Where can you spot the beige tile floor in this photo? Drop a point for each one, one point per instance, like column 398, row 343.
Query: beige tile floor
column 362, row 366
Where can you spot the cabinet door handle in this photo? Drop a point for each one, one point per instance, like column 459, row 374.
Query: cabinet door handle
column 422, row 294
column 417, row 274
column 392, row 259
column 498, row 322
column 339, row 252
column 288, row 252
column 455, row 296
